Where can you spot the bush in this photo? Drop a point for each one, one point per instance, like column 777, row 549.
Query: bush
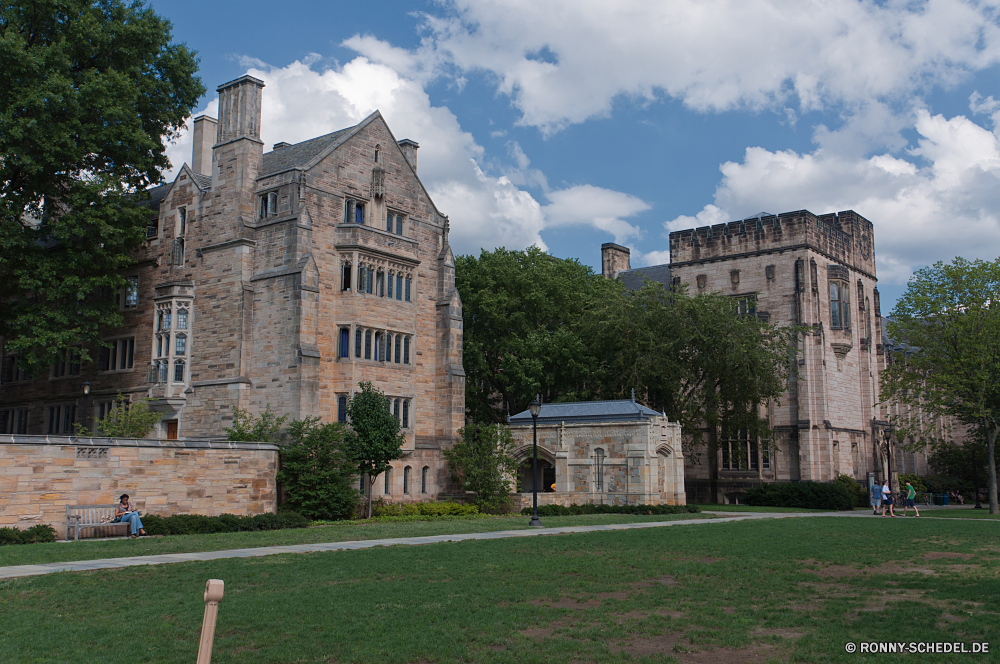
column 857, row 492
column 590, row 508
column 917, row 482
column 41, row 532
column 318, row 475
column 445, row 508
column 197, row 524
column 816, row 495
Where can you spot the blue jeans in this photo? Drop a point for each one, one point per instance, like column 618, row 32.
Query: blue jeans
column 132, row 518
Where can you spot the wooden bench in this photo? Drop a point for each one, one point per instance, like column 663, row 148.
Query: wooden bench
column 89, row 516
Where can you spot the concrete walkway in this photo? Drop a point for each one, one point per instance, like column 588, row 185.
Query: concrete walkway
column 110, row 563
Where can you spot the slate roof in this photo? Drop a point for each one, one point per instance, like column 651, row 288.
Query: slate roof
column 636, row 279
column 587, row 411
column 204, row 181
column 300, row 154
column 156, row 196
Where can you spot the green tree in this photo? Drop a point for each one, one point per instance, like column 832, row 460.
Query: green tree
column 265, row 428
column 946, row 329
column 377, row 438
column 92, row 91
column 127, row 419
column 317, row 472
column 482, row 461
column 523, row 313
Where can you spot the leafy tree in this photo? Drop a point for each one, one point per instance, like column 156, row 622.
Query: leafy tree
column 92, row 91
column 947, row 329
column 482, row 461
column 523, row 313
column 127, row 419
column 377, row 438
column 317, row 472
column 265, row 428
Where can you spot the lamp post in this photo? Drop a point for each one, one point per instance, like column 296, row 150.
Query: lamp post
column 86, row 393
column 535, row 407
column 887, row 434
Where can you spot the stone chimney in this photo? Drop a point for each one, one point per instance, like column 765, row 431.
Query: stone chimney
column 409, row 149
column 238, row 150
column 205, row 130
column 614, row 259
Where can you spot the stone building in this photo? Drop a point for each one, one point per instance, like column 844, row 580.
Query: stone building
column 803, row 269
column 613, row 452
column 279, row 277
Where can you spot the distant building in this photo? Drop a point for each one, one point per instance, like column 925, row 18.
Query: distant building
column 281, row 278
column 602, row 452
column 794, row 268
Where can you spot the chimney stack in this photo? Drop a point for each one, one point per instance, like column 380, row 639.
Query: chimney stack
column 614, row 259
column 205, row 129
column 409, row 149
column 239, row 109
column 238, row 150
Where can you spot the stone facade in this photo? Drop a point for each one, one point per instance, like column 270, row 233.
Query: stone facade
column 41, row 475
column 613, row 452
column 284, row 278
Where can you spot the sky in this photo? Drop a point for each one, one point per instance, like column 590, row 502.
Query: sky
column 570, row 123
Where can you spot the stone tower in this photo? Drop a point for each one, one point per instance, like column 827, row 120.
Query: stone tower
column 614, row 259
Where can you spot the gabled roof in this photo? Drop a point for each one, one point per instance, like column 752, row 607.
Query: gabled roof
column 300, row 155
column 156, row 196
column 636, row 279
column 203, row 181
column 587, row 411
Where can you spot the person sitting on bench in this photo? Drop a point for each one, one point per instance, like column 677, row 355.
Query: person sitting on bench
column 125, row 514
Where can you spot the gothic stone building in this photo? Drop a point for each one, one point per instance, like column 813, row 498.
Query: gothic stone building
column 794, row 268
column 281, row 278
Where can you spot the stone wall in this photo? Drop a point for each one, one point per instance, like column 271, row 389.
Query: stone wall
column 41, row 475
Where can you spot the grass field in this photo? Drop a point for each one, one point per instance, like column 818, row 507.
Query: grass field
column 744, row 592
column 59, row 552
column 753, row 508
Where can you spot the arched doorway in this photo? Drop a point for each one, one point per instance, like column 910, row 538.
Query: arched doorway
column 546, row 473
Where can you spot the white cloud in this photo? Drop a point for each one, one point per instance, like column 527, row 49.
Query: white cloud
column 486, row 211
column 944, row 205
column 566, row 61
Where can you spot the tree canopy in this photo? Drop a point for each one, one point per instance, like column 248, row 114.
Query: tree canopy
column 92, row 92
column 317, row 471
column 946, row 331
column 377, row 439
column 482, row 461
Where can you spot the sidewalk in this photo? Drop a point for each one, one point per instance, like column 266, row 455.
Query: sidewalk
column 110, row 563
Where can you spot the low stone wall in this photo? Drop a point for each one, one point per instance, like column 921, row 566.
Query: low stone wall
column 40, row 475
column 567, row 498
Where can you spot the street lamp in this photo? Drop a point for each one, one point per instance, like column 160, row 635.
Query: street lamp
column 535, row 407
column 887, row 434
column 86, row 393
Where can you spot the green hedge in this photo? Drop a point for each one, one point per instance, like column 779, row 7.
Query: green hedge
column 801, row 494
column 196, row 524
column 42, row 532
column 424, row 509
column 858, row 492
column 589, row 508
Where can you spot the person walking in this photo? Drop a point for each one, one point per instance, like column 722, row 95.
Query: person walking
column 875, row 497
column 911, row 499
column 887, row 500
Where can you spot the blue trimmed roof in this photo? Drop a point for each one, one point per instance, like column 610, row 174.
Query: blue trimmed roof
column 587, row 411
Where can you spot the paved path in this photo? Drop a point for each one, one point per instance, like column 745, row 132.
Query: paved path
column 109, row 563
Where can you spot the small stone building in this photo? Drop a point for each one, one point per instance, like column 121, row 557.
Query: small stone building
column 613, row 452
column 279, row 277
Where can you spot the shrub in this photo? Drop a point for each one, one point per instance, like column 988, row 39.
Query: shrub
column 917, row 482
column 858, row 493
column 590, row 508
column 482, row 461
column 444, row 508
column 317, row 472
column 250, row 428
column 197, row 524
column 801, row 494
column 41, row 532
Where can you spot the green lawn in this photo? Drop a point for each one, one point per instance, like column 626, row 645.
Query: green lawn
column 743, row 592
column 350, row 531
column 751, row 508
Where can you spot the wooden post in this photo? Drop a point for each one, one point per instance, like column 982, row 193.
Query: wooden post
column 213, row 595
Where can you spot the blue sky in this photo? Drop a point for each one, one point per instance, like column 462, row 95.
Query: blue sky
column 572, row 123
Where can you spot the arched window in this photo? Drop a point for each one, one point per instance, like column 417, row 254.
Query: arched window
column 398, row 341
column 390, row 285
column 406, row 479
column 388, row 221
column 368, row 344
column 399, row 286
column 178, row 371
column 395, row 409
column 182, row 319
column 378, row 150
column 345, row 280
column 423, row 478
column 180, row 345
column 388, row 481
column 408, row 281
column 345, row 342
column 406, row 413
column 357, row 343
column 342, row 409
column 406, row 350
column 840, row 315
